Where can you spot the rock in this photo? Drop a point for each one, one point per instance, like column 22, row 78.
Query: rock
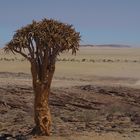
column 136, row 119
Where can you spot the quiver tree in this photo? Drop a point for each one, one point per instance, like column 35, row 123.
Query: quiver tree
column 40, row 43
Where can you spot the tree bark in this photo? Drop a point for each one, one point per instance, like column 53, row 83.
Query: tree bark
column 42, row 115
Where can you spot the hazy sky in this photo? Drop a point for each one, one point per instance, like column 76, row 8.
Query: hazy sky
column 98, row 21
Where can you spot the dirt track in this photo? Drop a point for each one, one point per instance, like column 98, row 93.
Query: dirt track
column 75, row 110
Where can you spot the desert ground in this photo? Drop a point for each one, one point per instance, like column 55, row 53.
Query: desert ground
column 95, row 95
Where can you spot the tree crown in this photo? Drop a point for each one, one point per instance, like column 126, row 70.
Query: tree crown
column 42, row 37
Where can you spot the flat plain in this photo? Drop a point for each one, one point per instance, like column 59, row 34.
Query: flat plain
column 95, row 95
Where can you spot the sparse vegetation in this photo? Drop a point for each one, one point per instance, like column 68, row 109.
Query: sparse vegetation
column 81, row 59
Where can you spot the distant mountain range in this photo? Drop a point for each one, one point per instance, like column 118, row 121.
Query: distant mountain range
column 104, row 45
column 107, row 45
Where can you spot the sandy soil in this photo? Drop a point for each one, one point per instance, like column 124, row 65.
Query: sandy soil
column 89, row 100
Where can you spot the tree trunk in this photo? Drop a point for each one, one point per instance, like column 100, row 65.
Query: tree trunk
column 41, row 86
column 42, row 114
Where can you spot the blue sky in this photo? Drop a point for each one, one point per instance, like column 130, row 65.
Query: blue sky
column 98, row 21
